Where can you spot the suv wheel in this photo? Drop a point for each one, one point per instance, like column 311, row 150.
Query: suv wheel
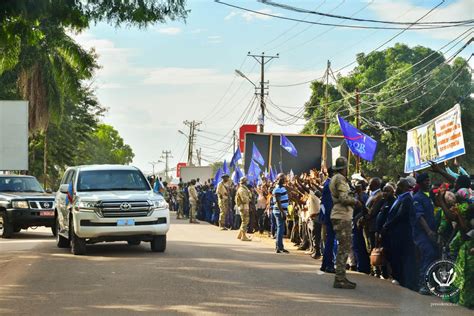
column 158, row 243
column 6, row 229
column 54, row 229
column 61, row 242
column 78, row 245
column 16, row 229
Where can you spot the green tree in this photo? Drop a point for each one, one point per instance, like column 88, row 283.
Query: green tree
column 394, row 76
column 106, row 147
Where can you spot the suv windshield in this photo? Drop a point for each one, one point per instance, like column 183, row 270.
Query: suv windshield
column 20, row 184
column 112, row 180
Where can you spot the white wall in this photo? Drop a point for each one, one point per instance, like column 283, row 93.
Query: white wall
column 13, row 135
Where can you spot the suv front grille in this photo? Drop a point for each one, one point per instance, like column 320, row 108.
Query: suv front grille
column 124, row 208
column 42, row 205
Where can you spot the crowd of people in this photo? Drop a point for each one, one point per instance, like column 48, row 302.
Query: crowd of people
column 389, row 230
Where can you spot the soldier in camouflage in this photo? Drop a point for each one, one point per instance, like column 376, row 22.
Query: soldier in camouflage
column 341, row 217
column 242, row 199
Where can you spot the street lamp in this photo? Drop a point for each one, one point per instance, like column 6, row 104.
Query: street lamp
column 241, row 74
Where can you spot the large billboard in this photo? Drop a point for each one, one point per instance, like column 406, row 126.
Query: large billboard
column 309, row 149
column 13, row 135
column 438, row 140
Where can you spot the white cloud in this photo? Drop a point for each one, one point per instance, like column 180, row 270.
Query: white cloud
column 169, row 30
column 214, row 39
column 184, row 76
column 249, row 16
column 454, row 11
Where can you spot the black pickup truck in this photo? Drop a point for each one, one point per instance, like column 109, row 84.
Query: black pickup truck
column 24, row 204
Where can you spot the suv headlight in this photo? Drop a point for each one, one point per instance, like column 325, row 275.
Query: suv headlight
column 20, row 204
column 86, row 205
column 159, row 204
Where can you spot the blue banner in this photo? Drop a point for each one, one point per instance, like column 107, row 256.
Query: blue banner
column 359, row 143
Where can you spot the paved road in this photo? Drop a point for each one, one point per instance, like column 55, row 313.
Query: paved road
column 204, row 271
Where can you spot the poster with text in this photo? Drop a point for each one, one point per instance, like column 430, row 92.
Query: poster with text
column 438, row 140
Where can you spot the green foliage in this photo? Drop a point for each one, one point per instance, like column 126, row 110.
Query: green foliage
column 432, row 86
column 106, row 147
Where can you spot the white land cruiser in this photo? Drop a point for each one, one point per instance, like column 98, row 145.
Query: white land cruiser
column 101, row 203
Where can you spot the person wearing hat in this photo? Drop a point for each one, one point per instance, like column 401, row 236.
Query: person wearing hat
column 341, row 217
column 242, row 200
column 399, row 230
column 223, row 192
column 424, row 228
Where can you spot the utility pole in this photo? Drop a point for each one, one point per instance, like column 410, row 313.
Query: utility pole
column 326, row 101
column 357, row 125
column 262, row 60
column 191, row 140
column 233, row 142
column 166, row 155
column 198, row 155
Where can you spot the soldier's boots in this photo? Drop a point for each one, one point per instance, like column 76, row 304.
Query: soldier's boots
column 244, row 237
column 344, row 284
column 239, row 236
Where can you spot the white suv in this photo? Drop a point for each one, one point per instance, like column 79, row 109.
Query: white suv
column 100, row 203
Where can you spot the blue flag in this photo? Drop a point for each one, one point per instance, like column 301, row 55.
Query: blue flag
column 236, row 175
column 359, row 143
column 217, row 177
column 288, row 146
column 235, row 158
column 274, row 173
column 257, row 156
column 225, row 168
column 253, row 172
column 270, row 175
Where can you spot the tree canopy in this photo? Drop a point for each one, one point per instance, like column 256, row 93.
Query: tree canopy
column 401, row 87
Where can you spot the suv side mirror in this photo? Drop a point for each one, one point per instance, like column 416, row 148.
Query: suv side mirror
column 64, row 188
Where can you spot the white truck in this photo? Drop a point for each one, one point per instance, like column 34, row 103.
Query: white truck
column 101, row 203
column 190, row 172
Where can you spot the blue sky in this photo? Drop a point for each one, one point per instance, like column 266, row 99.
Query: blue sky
column 153, row 79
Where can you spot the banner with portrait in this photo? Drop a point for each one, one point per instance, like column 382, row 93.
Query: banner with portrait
column 438, row 140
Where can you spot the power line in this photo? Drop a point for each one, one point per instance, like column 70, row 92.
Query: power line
column 342, row 25
column 300, row 10
column 353, row 62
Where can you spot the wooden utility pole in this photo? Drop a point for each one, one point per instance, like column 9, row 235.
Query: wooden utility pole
column 262, row 60
column 233, row 142
column 191, row 139
column 324, row 153
column 166, row 154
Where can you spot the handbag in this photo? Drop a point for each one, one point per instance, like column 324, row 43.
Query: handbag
column 377, row 256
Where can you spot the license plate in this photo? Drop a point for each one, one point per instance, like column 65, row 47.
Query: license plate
column 126, row 222
column 47, row 213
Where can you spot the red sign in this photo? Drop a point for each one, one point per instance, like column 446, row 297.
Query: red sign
column 243, row 130
column 178, row 169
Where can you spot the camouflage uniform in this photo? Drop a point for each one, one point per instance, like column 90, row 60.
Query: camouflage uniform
column 223, row 196
column 341, row 217
column 193, row 201
column 180, row 199
column 242, row 199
